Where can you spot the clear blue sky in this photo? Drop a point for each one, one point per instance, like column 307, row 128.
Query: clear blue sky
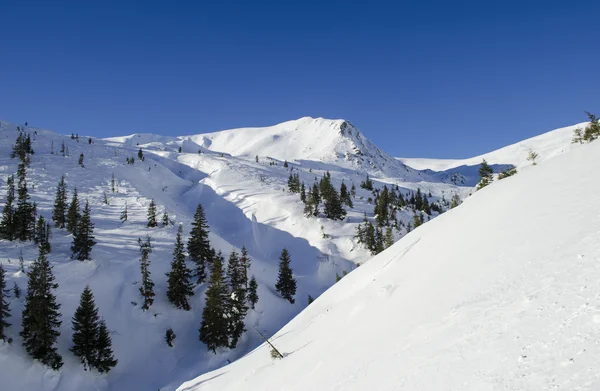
column 419, row 78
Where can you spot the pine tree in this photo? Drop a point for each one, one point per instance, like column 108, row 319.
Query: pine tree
column 86, row 327
column 147, row 286
column 112, row 183
column 8, row 224
column 24, row 215
column 198, row 245
column 41, row 316
column 4, row 307
column 315, row 199
column 165, row 219
column 253, row 292
column 345, row 196
column 80, row 162
column 389, row 237
column 214, row 329
column 303, row 193
column 105, row 360
column 236, row 274
column 42, row 234
column 60, row 205
column 592, row 131
column 73, row 214
column 286, row 283
column 124, row 215
column 486, row 174
column 83, row 241
column 152, row 215
column 170, row 334
column 455, row 200
column 245, row 262
column 141, row 154
column 105, row 198
column 180, row 284
column 16, row 290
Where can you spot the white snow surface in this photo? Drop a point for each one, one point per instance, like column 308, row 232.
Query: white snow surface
column 501, row 293
column 247, row 203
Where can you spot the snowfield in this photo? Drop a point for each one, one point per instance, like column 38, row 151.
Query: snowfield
column 447, row 307
column 501, row 293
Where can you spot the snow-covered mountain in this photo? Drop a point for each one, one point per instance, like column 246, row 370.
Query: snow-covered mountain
column 247, row 204
column 501, row 293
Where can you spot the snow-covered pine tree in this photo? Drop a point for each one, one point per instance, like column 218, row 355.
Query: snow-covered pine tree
column 152, row 215
column 24, row 220
column 236, row 275
column 286, row 283
column 147, row 285
column 253, row 292
column 7, row 224
column 486, row 174
column 41, row 316
column 165, row 219
column 83, row 241
column 86, row 327
column 124, row 215
column 4, row 306
column 73, row 214
column 198, row 245
column 180, row 284
column 105, row 359
column 59, row 213
column 214, row 329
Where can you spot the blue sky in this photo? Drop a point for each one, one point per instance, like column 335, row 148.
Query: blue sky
column 419, row 78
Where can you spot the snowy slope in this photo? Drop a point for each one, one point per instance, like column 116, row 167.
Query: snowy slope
column 501, row 293
column 547, row 145
column 334, row 142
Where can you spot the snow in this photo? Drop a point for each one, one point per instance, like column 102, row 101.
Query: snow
column 247, row 204
column 501, row 293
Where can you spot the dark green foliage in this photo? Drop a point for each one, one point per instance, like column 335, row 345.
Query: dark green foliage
column 104, row 198
column 42, row 234
column 286, row 283
column 59, row 213
column 345, row 196
column 303, row 193
column 310, row 299
column 165, row 219
column 389, row 237
column 294, row 183
column 41, row 319
column 253, row 292
column 382, row 206
column 83, row 241
column 333, row 204
column 147, row 286
column 80, row 162
column 16, row 290
column 198, row 245
column 86, row 327
column 214, row 329
column 112, row 183
column 105, row 360
column 179, row 278
column 124, row 216
column 455, row 200
column 73, row 214
column 25, row 214
column 4, row 307
column 236, row 275
column 507, row 173
column 152, row 215
column 486, row 174
column 140, row 154
column 8, row 224
column 592, row 131
column 285, row 164
column 170, row 334
column 22, row 147
column 367, row 184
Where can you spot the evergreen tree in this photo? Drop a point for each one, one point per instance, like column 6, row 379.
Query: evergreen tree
column 353, row 191
column 4, row 307
column 105, row 360
column 141, row 154
column 253, row 292
column 80, row 162
column 16, row 290
column 8, row 224
column 147, row 286
column 236, row 274
column 112, row 183
column 73, row 214
column 86, row 327
column 41, row 316
column 315, row 199
column 152, row 215
column 389, row 237
column 245, row 262
column 486, row 174
column 286, row 283
column 198, row 245
column 165, row 219
column 24, row 215
column 59, row 213
column 42, row 234
column 303, row 193
column 455, row 200
column 180, row 284
column 345, row 196
column 83, row 241
column 214, row 329
column 170, row 334
column 124, row 215
column 592, row 131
